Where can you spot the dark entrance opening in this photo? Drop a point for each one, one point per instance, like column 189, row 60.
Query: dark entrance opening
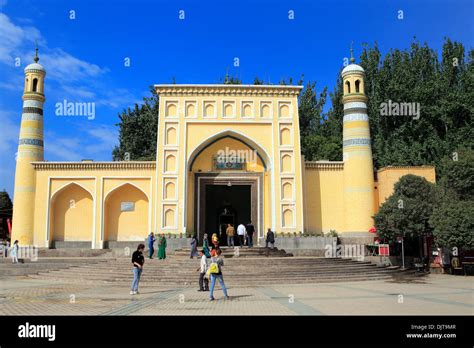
column 226, row 205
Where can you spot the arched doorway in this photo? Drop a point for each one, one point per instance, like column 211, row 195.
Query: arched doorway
column 126, row 214
column 71, row 218
column 228, row 170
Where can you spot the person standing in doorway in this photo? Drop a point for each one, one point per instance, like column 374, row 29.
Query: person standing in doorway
column 215, row 273
column 250, row 231
column 230, row 232
column 161, row 247
column 194, row 247
column 270, row 239
column 203, row 281
column 14, row 252
column 151, row 241
column 241, row 232
column 138, row 261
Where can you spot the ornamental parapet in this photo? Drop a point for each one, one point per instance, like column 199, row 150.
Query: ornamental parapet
column 324, row 165
column 228, row 90
column 130, row 165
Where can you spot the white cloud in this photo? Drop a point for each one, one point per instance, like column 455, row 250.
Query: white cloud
column 13, row 37
column 63, row 67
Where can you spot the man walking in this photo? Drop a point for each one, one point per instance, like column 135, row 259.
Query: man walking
column 203, row 281
column 137, row 260
column 241, row 233
column 250, row 229
column 230, row 232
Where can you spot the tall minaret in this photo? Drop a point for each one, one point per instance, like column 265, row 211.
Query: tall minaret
column 30, row 149
column 357, row 154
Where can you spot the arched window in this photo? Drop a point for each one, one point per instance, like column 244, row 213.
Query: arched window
column 357, row 86
column 348, row 87
column 35, row 85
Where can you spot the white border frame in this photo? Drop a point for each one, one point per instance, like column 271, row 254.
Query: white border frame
column 234, row 108
column 252, row 109
column 175, row 207
column 206, row 102
column 171, row 101
column 186, row 103
column 175, row 125
column 290, row 107
column 265, row 102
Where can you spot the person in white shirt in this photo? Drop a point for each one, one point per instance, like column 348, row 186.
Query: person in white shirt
column 241, row 233
column 203, row 281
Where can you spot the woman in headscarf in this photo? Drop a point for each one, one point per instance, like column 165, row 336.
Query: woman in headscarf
column 205, row 246
column 162, row 247
column 194, row 249
column 215, row 240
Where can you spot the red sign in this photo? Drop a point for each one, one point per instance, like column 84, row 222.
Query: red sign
column 384, row 250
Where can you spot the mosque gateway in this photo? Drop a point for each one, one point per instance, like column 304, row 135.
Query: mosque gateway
column 225, row 154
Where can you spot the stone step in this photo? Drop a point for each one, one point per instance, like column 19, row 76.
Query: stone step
column 230, row 282
column 286, row 275
column 88, row 270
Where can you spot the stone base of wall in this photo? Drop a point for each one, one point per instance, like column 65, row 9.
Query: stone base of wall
column 356, row 238
column 71, row 245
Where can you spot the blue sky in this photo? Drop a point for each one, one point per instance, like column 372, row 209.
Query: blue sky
column 84, row 57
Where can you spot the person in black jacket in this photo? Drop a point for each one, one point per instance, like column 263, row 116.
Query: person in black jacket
column 270, row 239
column 137, row 260
column 250, row 229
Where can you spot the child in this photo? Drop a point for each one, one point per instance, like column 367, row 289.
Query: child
column 203, row 281
column 14, row 252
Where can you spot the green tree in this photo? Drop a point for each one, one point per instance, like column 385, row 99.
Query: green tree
column 453, row 223
column 137, row 131
column 453, row 218
column 407, row 211
column 6, row 205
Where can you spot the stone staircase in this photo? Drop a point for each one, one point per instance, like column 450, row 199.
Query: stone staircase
column 241, row 252
column 249, row 269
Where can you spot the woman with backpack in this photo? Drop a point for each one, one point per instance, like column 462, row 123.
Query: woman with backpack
column 215, row 273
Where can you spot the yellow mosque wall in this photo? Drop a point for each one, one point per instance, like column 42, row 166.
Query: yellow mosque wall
column 388, row 177
column 97, row 189
column 324, row 197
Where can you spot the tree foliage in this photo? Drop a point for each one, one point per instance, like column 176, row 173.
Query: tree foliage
column 137, row 131
column 453, row 218
column 5, row 203
column 408, row 210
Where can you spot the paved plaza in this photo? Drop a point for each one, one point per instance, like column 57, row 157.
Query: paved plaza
column 430, row 295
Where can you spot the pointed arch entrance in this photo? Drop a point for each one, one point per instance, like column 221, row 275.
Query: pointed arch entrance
column 228, row 174
column 71, row 217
